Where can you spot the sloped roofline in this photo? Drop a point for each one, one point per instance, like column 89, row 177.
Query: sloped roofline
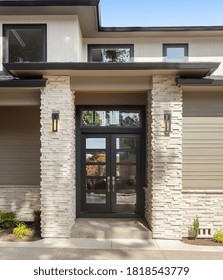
column 96, row 3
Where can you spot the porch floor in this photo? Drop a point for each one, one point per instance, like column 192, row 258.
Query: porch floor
column 111, row 228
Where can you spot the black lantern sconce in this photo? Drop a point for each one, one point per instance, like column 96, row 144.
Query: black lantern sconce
column 55, row 121
column 167, row 123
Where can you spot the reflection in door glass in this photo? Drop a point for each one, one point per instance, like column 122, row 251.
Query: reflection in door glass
column 96, row 170
column 125, row 143
column 126, row 183
column 126, row 198
column 95, row 143
column 96, row 184
column 95, row 198
column 126, row 157
column 126, row 170
column 95, row 157
column 122, row 118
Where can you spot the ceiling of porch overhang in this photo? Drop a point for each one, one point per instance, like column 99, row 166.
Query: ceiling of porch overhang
column 186, row 70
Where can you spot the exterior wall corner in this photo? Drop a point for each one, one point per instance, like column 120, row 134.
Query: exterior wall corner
column 164, row 160
column 57, row 159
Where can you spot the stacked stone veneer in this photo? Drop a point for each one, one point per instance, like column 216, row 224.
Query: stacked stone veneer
column 206, row 205
column 163, row 193
column 22, row 200
column 57, row 159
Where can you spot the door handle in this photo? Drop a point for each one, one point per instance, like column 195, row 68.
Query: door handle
column 108, row 183
column 113, row 183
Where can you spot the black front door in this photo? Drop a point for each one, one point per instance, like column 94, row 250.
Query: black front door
column 110, row 174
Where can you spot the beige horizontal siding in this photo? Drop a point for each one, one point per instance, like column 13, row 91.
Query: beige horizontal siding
column 203, row 140
column 20, row 145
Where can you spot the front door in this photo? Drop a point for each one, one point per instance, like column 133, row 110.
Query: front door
column 111, row 173
column 110, row 176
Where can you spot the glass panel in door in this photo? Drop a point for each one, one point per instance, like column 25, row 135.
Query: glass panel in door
column 110, row 174
column 125, row 179
column 96, row 174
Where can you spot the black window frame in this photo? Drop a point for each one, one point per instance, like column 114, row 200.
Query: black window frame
column 104, row 46
column 185, row 46
column 7, row 27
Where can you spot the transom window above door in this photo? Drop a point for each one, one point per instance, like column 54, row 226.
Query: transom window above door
column 24, row 42
column 110, row 118
column 110, row 53
column 175, row 52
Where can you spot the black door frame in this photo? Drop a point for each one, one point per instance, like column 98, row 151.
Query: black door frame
column 109, row 130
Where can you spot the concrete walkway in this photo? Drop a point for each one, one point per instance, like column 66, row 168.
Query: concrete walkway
column 105, row 249
column 104, row 239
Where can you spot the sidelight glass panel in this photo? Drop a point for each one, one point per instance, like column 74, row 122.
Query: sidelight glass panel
column 96, row 157
column 122, row 118
column 95, row 143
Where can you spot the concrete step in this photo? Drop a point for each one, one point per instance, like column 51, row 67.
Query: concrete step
column 111, row 228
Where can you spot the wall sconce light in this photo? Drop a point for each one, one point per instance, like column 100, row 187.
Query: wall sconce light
column 55, row 121
column 167, row 123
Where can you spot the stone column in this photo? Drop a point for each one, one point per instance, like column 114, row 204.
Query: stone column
column 57, row 159
column 164, row 160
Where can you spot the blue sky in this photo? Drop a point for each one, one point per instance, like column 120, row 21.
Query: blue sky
column 161, row 12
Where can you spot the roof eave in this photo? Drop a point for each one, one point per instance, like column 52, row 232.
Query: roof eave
column 160, row 28
column 96, row 3
column 199, row 82
column 23, row 83
column 23, row 3
column 186, row 69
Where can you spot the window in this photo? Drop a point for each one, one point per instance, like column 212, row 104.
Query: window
column 110, row 53
column 175, row 52
column 121, row 118
column 24, row 43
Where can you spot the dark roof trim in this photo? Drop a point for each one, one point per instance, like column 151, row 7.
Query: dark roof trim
column 34, row 83
column 96, row 3
column 184, row 69
column 199, row 82
column 212, row 66
column 18, row 3
column 160, row 28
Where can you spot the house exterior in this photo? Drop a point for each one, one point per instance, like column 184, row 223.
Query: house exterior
column 109, row 122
